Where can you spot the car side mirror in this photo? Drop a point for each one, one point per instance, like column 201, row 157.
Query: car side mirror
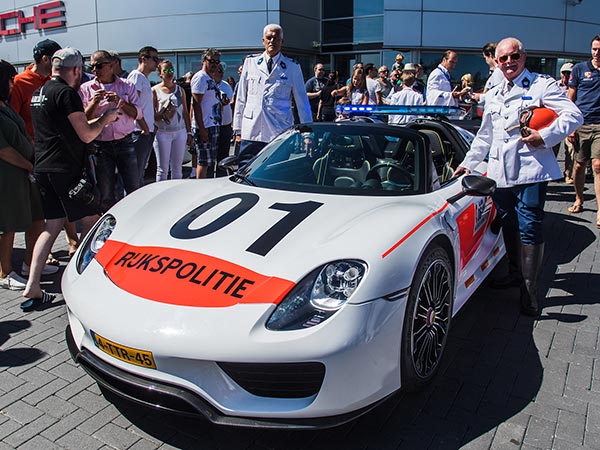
column 475, row 185
column 229, row 164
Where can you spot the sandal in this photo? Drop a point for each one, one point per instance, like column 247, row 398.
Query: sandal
column 575, row 208
column 33, row 303
column 52, row 261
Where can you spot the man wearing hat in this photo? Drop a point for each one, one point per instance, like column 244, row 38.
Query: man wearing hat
column 62, row 132
column 565, row 73
column 24, row 83
column 34, row 76
column 417, row 71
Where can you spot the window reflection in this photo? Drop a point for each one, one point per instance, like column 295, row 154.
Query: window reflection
column 348, row 8
column 353, row 31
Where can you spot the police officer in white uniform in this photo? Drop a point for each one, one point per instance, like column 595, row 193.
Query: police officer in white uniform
column 521, row 161
column 263, row 107
column 439, row 88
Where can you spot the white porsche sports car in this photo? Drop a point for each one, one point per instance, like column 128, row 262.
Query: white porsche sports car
column 300, row 291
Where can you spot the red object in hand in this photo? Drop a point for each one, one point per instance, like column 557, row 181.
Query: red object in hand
column 537, row 118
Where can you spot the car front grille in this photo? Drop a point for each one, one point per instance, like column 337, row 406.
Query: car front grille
column 285, row 380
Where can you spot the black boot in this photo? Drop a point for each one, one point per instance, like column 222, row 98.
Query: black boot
column 512, row 242
column 531, row 262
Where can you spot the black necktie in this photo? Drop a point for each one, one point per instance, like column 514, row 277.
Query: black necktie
column 510, row 85
column 270, row 65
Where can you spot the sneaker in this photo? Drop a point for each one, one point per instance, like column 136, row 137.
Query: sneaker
column 13, row 282
column 47, row 270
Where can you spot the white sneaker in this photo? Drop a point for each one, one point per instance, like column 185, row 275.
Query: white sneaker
column 47, row 270
column 13, row 282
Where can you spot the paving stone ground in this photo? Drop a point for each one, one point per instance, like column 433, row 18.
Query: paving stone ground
column 507, row 381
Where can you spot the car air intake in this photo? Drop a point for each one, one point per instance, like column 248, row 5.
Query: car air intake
column 287, row 380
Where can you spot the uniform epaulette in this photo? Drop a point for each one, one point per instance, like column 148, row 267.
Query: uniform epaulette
column 293, row 60
column 544, row 75
column 253, row 55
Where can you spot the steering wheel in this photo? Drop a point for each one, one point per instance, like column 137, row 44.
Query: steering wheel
column 401, row 175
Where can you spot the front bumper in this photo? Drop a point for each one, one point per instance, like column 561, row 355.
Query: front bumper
column 168, row 397
column 359, row 348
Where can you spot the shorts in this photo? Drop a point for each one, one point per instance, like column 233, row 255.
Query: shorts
column 588, row 142
column 207, row 151
column 54, row 190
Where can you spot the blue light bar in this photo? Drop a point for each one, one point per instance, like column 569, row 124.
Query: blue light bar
column 420, row 110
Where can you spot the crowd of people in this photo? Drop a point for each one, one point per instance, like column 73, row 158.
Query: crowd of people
column 66, row 133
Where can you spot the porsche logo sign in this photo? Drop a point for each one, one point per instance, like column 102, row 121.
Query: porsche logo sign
column 44, row 16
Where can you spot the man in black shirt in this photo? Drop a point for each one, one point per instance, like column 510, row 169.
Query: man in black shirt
column 313, row 88
column 61, row 134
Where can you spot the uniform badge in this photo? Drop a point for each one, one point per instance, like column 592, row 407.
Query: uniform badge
column 588, row 74
column 283, row 76
column 260, row 60
column 526, row 83
column 283, row 66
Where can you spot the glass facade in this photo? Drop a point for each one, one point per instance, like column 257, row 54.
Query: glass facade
column 354, row 31
column 353, row 22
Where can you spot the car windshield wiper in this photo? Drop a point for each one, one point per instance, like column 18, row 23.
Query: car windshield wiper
column 244, row 178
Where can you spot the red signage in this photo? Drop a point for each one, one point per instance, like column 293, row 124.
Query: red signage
column 46, row 15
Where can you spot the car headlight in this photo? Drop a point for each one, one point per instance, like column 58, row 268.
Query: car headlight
column 95, row 240
column 318, row 296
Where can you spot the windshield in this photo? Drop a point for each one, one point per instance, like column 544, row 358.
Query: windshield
column 352, row 158
column 466, row 135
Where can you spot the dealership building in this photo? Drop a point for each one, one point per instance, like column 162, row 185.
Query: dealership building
column 335, row 32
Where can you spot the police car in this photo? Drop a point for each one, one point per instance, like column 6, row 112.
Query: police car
column 299, row 292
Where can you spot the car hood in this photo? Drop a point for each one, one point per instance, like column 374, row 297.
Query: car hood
column 244, row 244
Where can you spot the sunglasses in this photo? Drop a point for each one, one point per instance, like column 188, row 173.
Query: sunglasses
column 383, row 71
column 169, row 70
column 154, row 58
column 98, row 65
column 513, row 57
column 213, row 61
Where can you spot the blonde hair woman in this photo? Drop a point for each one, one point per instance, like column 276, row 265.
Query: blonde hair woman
column 356, row 90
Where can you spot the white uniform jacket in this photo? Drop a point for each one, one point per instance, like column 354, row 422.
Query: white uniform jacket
column 439, row 88
column 263, row 106
column 511, row 162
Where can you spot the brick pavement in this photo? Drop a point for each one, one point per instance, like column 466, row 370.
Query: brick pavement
column 507, row 382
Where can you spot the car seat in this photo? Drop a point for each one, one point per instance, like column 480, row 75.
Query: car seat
column 343, row 164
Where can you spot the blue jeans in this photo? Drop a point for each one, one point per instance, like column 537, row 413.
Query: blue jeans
column 143, row 148
column 121, row 155
column 522, row 208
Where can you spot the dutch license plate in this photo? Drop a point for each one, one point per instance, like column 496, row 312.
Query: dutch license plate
column 129, row 355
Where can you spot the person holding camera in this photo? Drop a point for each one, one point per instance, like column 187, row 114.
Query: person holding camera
column 114, row 146
column 62, row 132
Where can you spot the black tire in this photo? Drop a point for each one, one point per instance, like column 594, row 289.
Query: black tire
column 427, row 318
